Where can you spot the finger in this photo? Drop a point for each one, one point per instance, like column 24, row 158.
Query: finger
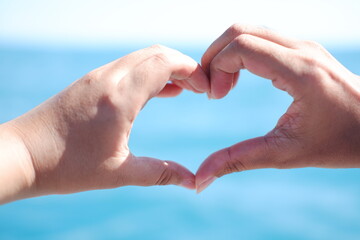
column 150, row 76
column 236, row 30
column 170, row 90
column 184, row 84
column 251, row 154
column 261, row 57
column 145, row 171
column 222, row 84
column 199, row 86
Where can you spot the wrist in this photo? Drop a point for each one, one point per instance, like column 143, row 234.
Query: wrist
column 17, row 174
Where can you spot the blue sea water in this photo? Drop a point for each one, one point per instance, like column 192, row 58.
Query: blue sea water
column 259, row 204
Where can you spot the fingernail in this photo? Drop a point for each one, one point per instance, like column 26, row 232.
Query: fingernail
column 209, row 95
column 205, row 184
column 188, row 183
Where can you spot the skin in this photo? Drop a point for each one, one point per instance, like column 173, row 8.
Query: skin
column 78, row 139
column 321, row 128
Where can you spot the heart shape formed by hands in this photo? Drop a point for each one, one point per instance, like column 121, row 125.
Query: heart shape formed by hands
column 87, row 126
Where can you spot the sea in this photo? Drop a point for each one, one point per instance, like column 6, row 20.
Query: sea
column 296, row 204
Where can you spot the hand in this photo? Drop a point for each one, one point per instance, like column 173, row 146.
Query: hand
column 78, row 140
column 321, row 128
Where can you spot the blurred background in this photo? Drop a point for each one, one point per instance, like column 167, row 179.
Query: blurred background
column 46, row 45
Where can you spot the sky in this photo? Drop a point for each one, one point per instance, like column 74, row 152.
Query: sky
column 114, row 22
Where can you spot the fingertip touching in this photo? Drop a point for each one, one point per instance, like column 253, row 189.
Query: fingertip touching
column 210, row 170
column 222, row 83
column 250, row 154
column 172, row 173
column 199, row 80
column 189, row 72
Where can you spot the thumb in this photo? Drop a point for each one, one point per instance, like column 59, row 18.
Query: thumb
column 250, row 154
column 145, row 171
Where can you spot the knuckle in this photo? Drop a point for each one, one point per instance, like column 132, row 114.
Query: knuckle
column 159, row 54
column 314, row 60
column 313, row 68
column 232, row 164
column 231, row 167
column 243, row 40
column 165, row 175
column 120, row 181
column 158, row 48
column 310, row 43
column 313, row 45
column 237, row 29
column 91, row 77
column 317, row 48
column 218, row 62
column 161, row 49
column 160, row 58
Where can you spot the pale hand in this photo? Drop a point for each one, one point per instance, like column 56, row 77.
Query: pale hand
column 78, row 140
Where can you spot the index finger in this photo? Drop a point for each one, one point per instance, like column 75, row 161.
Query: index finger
column 158, row 55
column 261, row 57
column 238, row 29
column 148, row 76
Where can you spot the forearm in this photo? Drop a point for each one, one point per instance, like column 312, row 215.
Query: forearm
column 17, row 175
